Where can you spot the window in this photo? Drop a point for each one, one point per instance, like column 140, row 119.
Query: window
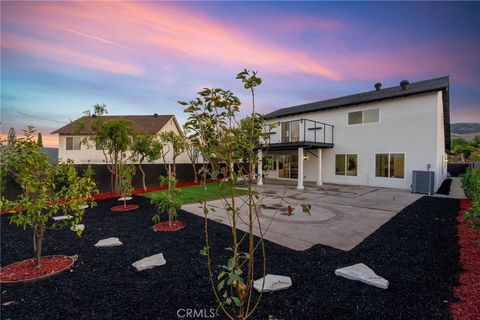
column 99, row 146
column 390, row 165
column 372, row 115
column 346, row 164
column 355, row 117
column 73, row 143
column 364, row 116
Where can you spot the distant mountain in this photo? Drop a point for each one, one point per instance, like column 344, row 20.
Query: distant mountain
column 465, row 128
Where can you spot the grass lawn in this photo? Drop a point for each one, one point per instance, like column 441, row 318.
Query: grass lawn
column 195, row 194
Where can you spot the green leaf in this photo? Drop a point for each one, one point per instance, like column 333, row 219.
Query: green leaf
column 220, row 285
column 237, row 301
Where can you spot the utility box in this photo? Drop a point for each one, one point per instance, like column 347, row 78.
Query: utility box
column 423, row 182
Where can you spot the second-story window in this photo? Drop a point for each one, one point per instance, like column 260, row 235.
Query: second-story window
column 364, row 116
column 73, row 143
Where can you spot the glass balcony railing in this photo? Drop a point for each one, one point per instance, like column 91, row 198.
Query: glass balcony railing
column 297, row 131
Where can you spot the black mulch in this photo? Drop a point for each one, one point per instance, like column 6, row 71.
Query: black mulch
column 445, row 187
column 416, row 251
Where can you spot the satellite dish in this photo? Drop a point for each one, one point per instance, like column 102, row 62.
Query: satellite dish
column 11, row 136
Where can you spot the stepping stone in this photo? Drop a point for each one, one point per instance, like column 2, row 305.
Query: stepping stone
column 109, row 242
column 150, row 262
column 361, row 272
column 78, row 227
column 58, row 218
column 125, row 198
column 272, row 283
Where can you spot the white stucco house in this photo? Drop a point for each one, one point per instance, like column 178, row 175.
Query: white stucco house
column 376, row 138
column 70, row 146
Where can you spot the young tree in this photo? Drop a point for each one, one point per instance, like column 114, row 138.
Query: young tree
column 173, row 145
column 192, row 152
column 126, row 171
column 145, row 146
column 221, row 138
column 169, row 201
column 46, row 189
column 40, row 140
column 113, row 135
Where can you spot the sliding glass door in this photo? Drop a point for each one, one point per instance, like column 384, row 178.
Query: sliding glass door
column 288, row 167
column 290, row 131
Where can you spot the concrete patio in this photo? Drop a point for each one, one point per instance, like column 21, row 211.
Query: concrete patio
column 340, row 216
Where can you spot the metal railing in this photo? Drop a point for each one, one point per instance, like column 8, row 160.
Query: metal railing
column 300, row 130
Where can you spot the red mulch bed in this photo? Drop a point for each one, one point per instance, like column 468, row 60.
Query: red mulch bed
column 24, row 271
column 165, row 226
column 108, row 195
column 468, row 291
column 122, row 208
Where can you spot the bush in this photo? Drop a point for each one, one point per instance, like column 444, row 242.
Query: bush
column 471, row 185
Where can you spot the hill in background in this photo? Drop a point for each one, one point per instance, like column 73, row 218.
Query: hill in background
column 465, row 128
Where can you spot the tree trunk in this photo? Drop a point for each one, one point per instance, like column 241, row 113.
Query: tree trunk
column 143, row 176
column 37, row 244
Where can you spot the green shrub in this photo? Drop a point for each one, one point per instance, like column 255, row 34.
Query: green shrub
column 471, row 185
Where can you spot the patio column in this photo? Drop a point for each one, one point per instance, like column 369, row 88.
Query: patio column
column 319, row 165
column 260, row 168
column 300, row 169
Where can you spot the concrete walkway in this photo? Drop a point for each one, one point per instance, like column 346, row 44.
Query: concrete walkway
column 456, row 191
column 340, row 216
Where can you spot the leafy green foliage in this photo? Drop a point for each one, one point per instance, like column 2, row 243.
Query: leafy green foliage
column 467, row 148
column 46, row 189
column 145, row 146
column 226, row 144
column 169, row 201
column 126, row 173
column 114, row 135
column 471, row 185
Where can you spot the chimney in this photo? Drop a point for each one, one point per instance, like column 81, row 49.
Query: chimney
column 404, row 84
column 378, row 86
column 155, row 115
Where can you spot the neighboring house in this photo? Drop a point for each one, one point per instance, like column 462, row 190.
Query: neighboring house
column 376, row 138
column 70, row 146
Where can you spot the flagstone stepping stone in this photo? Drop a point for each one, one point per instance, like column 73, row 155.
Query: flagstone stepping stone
column 361, row 272
column 150, row 262
column 78, row 227
column 58, row 218
column 109, row 242
column 272, row 283
column 125, row 198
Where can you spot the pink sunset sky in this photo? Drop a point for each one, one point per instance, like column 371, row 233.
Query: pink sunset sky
column 61, row 58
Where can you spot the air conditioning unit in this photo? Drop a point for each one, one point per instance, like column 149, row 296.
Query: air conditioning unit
column 423, row 182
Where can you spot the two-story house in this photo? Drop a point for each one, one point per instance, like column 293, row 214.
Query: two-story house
column 376, row 138
column 70, row 144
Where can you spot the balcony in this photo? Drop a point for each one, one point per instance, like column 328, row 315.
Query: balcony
column 298, row 133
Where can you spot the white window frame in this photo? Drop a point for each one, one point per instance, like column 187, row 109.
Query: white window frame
column 389, row 153
column 346, row 167
column 363, row 118
column 73, row 143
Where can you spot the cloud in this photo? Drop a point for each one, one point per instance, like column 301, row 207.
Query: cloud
column 163, row 33
column 60, row 53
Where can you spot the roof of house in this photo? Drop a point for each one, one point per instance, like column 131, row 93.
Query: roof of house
column 431, row 85
column 140, row 123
